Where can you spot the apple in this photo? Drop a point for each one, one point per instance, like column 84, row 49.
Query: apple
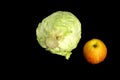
column 95, row 51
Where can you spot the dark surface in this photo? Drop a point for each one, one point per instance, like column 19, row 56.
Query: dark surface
column 97, row 22
column 23, row 56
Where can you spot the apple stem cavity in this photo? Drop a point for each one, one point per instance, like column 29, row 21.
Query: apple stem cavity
column 95, row 45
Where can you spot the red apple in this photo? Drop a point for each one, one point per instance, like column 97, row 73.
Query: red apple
column 95, row 51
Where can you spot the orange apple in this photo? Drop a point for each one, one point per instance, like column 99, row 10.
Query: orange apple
column 95, row 51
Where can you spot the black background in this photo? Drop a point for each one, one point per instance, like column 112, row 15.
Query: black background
column 23, row 56
column 97, row 19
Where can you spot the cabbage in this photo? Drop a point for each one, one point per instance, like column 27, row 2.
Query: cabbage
column 59, row 33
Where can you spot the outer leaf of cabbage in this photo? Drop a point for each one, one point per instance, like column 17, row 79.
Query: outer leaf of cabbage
column 59, row 33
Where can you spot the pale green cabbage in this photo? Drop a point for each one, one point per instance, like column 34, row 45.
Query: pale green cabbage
column 59, row 33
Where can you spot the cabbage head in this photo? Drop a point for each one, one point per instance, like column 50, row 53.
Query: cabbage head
column 59, row 33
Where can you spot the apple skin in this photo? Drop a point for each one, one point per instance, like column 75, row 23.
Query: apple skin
column 95, row 51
